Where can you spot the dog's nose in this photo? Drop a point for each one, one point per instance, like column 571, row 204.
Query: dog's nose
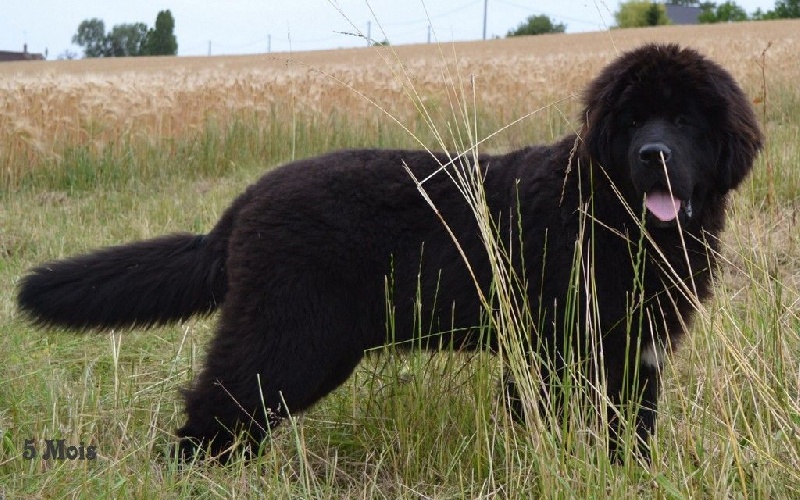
column 650, row 154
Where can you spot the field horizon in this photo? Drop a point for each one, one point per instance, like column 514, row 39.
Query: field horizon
column 712, row 36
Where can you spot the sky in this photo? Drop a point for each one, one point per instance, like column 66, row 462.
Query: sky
column 257, row 26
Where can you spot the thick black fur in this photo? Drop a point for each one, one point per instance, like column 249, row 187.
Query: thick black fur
column 301, row 260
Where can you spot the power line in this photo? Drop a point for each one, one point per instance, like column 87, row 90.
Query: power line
column 435, row 16
column 549, row 14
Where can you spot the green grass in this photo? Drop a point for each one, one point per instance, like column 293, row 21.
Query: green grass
column 406, row 425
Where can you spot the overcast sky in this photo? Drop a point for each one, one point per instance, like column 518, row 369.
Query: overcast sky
column 253, row 26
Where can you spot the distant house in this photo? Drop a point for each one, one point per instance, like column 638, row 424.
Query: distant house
column 682, row 14
column 7, row 55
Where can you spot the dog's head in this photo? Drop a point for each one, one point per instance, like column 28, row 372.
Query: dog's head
column 671, row 128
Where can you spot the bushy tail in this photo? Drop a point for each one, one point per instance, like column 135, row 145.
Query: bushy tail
column 144, row 283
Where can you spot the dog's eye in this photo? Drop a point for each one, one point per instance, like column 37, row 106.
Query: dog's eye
column 682, row 121
column 630, row 122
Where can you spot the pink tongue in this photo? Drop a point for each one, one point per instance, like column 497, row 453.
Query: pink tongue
column 662, row 205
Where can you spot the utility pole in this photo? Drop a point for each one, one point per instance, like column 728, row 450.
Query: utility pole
column 485, row 9
column 209, row 48
column 429, row 33
column 269, row 44
column 369, row 33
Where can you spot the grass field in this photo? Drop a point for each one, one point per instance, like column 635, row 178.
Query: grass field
column 100, row 152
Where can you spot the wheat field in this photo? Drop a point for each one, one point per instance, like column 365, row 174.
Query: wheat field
column 48, row 106
column 99, row 152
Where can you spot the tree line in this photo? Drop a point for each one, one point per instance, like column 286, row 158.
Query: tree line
column 637, row 13
column 128, row 40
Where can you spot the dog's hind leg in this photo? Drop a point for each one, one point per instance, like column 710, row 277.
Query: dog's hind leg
column 261, row 368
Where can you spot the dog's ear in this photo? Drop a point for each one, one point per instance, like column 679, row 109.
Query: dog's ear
column 596, row 135
column 740, row 134
column 741, row 142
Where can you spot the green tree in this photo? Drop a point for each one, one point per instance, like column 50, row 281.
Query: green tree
column 91, row 36
column 161, row 41
column 126, row 40
column 653, row 13
column 787, row 9
column 636, row 14
column 538, row 25
column 122, row 41
column 725, row 12
column 784, row 9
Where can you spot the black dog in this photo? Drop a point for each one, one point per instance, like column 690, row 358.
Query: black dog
column 302, row 262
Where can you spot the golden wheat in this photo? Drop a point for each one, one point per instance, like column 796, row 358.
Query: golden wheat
column 48, row 106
